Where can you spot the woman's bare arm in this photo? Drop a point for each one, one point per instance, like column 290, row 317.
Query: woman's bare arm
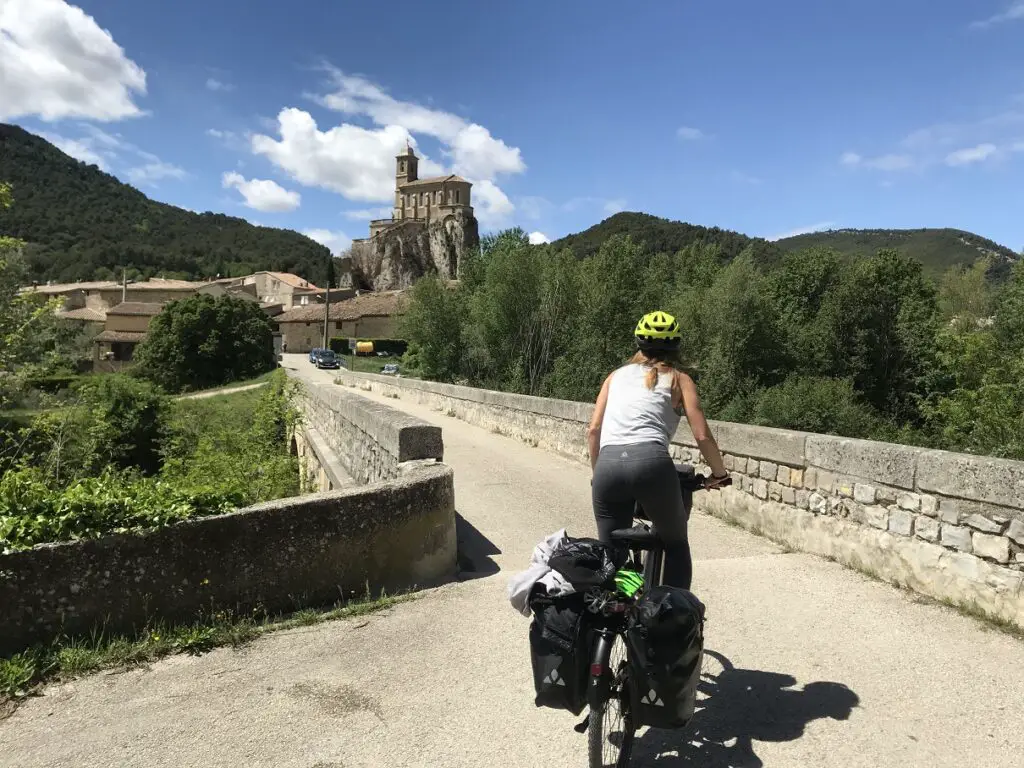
column 699, row 426
column 594, row 431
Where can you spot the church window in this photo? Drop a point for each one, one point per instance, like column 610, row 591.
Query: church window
column 456, row 196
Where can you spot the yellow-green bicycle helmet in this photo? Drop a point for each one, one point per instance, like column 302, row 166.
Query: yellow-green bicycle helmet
column 657, row 331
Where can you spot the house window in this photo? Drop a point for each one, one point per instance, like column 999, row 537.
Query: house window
column 337, row 325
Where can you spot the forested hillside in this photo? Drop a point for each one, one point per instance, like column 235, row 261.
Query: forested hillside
column 936, row 249
column 81, row 223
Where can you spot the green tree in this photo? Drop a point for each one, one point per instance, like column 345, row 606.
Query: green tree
column 815, row 404
column 965, row 295
column 433, row 326
column 203, row 342
column 124, row 423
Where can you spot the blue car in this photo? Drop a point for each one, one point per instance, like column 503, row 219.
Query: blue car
column 327, row 359
column 314, row 353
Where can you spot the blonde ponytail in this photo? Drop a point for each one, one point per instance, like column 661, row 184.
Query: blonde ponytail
column 655, row 368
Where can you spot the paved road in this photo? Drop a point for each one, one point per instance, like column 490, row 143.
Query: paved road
column 444, row 681
column 219, row 392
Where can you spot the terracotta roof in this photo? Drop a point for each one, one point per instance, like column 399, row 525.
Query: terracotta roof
column 83, row 313
column 120, row 336
column 433, row 180
column 368, row 304
column 136, row 308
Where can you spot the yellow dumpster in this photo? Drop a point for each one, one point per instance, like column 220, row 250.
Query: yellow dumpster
column 364, row 347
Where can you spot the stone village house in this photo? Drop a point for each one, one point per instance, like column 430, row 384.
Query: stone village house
column 365, row 316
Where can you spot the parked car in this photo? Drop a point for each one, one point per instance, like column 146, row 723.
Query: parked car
column 390, row 368
column 327, row 359
column 314, row 353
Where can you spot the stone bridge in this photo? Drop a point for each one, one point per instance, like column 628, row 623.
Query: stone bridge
column 816, row 664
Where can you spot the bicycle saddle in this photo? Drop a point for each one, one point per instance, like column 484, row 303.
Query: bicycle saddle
column 637, row 536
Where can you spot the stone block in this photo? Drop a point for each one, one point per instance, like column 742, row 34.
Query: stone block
column 768, row 470
column 957, row 537
column 782, row 476
column 760, row 487
column 929, row 505
column 948, row 512
column 996, row 481
column 788, row 495
column 826, row 481
column 992, row 547
column 803, row 497
column 844, row 488
column 796, row 478
column 886, row 495
column 926, row 528
column 778, row 445
column 864, row 494
column 876, row 517
column 810, row 478
column 901, row 522
column 983, row 524
column 857, row 513
column 886, row 463
column 817, row 503
column 908, row 501
column 1016, row 531
column 774, row 491
column 752, row 467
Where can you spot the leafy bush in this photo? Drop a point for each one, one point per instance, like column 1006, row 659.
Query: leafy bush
column 124, row 423
column 202, row 342
column 31, row 512
column 813, row 404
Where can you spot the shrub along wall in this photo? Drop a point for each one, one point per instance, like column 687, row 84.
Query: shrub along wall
column 948, row 525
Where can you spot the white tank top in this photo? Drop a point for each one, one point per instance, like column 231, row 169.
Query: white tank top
column 636, row 414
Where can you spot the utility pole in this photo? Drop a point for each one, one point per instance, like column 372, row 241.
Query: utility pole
column 327, row 296
column 124, row 285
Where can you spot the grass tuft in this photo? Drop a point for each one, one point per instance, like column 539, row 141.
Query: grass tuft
column 23, row 673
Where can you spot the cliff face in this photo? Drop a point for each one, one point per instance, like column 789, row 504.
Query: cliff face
column 409, row 250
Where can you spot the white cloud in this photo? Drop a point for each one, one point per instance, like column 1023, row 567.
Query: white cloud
column 539, row 238
column 474, row 152
column 56, row 63
column 614, row 206
column 688, row 133
column 218, row 134
column 970, row 155
column 890, row 162
column 367, row 214
column 356, row 162
column 491, row 206
column 152, row 172
column 1015, row 12
column 80, row 149
column 335, row 240
column 532, row 208
column 213, row 84
column 262, row 194
column 803, row 230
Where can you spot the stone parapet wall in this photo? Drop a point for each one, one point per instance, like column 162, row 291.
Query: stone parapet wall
column 368, row 441
column 948, row 525
column 278, row 556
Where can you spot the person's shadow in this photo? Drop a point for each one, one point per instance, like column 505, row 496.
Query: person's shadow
column 739, row 707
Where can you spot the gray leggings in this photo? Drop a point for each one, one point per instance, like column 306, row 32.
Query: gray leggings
column 645, row 473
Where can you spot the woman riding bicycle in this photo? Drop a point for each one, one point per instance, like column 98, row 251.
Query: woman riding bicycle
column 636, row 414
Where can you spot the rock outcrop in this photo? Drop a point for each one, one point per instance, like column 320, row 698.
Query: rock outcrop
column 398, row 256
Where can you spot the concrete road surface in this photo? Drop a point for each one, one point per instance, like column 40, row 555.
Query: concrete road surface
column 816, row 665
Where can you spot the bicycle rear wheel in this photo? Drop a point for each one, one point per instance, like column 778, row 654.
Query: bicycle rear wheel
column 611, row 728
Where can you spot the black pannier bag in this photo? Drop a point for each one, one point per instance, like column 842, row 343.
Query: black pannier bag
column 586, row 563
column 665, row 640
column 559, row 650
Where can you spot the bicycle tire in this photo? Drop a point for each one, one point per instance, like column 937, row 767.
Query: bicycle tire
column 599, row 735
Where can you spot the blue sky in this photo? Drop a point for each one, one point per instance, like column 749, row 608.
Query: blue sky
column 766, row 118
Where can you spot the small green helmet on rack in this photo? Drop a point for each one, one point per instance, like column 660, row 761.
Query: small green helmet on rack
column 628, row 582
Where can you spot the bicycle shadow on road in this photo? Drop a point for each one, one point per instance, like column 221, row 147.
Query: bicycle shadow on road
column 474, row 551
column 739, row 707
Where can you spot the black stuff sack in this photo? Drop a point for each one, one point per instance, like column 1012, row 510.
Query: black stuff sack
column 586, row 563
column 559, row 644
column 665, row 641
